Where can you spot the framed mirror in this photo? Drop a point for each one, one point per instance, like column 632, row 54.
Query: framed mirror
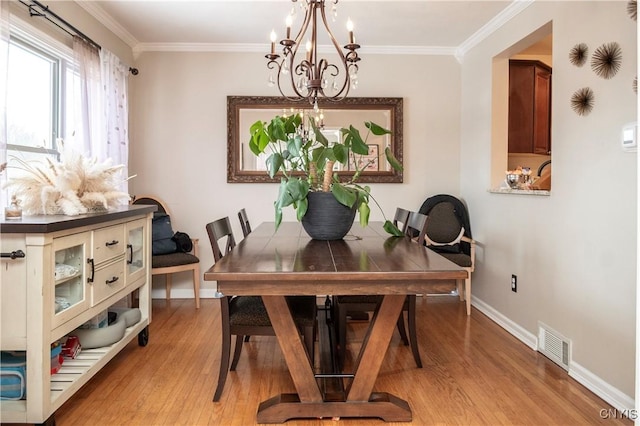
column 243, row 111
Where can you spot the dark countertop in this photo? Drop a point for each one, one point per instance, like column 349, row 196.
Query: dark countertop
column 42, row 224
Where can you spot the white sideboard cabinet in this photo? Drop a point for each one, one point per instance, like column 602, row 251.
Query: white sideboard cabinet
column 58, row 272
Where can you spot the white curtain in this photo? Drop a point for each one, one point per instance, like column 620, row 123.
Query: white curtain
column 101, row 117
column 115, row 76
column 4, row 63
column 86, row 135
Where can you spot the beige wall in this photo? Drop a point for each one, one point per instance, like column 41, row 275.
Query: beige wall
column 80, row 19
column 574, row 252
column 179, row 135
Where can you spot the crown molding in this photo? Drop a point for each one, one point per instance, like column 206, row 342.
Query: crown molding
column 199, row 47
column 409, row 50
column 514, row 8
column 260, row 48
column 107, row 20
column 490, row 27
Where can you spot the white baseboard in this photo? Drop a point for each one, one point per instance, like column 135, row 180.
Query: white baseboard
column 182, row 293
column 618, row 399
column 520, row 333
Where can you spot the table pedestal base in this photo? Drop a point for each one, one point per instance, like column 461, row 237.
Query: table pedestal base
column 288, row 406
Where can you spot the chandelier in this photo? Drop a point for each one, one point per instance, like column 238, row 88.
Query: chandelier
column 310, row 76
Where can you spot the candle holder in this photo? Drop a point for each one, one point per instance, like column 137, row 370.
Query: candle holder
column 13, row 211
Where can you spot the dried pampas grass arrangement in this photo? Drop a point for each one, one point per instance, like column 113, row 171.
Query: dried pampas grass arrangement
column 75, row 185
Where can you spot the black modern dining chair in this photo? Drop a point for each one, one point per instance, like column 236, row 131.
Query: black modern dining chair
column 449, row 234
column 414, row 227
column 247, row 316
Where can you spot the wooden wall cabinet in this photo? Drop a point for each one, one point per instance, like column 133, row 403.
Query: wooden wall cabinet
column 73, row 269
column 529, row 107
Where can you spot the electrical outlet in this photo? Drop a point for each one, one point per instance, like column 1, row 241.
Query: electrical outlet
column 514, row 283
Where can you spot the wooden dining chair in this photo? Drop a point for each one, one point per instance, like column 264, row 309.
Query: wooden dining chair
column 171, row 263
column 415, row 225
column 247, row 316
column 400, row 218
column 244, row 222
column 400, row 221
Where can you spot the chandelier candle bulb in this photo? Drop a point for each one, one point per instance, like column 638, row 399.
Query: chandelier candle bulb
column 289, row 22
column 350, row 29
column 274, row 37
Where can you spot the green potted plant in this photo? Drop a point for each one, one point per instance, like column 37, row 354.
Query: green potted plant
column 305, row 160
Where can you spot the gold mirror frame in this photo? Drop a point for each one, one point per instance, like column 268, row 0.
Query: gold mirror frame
column 237, row 138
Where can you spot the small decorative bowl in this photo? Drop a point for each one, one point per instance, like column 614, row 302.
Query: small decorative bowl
column 514, row 180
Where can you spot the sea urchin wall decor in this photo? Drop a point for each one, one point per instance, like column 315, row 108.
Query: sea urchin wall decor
column 632, row 9
column 606, row 60
column 582, row 101
column 578, row 54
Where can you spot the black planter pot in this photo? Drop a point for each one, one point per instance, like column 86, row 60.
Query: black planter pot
column 326, row 218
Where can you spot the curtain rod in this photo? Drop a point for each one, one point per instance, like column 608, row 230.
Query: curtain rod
column 59, row 22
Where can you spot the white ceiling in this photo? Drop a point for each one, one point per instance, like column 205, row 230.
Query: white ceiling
column 391, row 26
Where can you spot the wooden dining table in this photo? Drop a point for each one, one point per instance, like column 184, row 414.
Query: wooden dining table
column 368, row 261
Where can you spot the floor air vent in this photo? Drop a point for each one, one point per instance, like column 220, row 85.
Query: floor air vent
column 553, row 345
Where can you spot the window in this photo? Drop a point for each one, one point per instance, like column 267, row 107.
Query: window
column 32, row 96
column 37, row 94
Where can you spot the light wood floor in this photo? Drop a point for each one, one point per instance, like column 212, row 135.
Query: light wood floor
column 474, row 373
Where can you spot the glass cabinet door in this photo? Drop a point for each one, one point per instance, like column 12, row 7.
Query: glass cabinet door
column 70, row 276
column 136, row 258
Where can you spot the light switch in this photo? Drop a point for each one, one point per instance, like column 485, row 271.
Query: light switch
column 629, row 137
